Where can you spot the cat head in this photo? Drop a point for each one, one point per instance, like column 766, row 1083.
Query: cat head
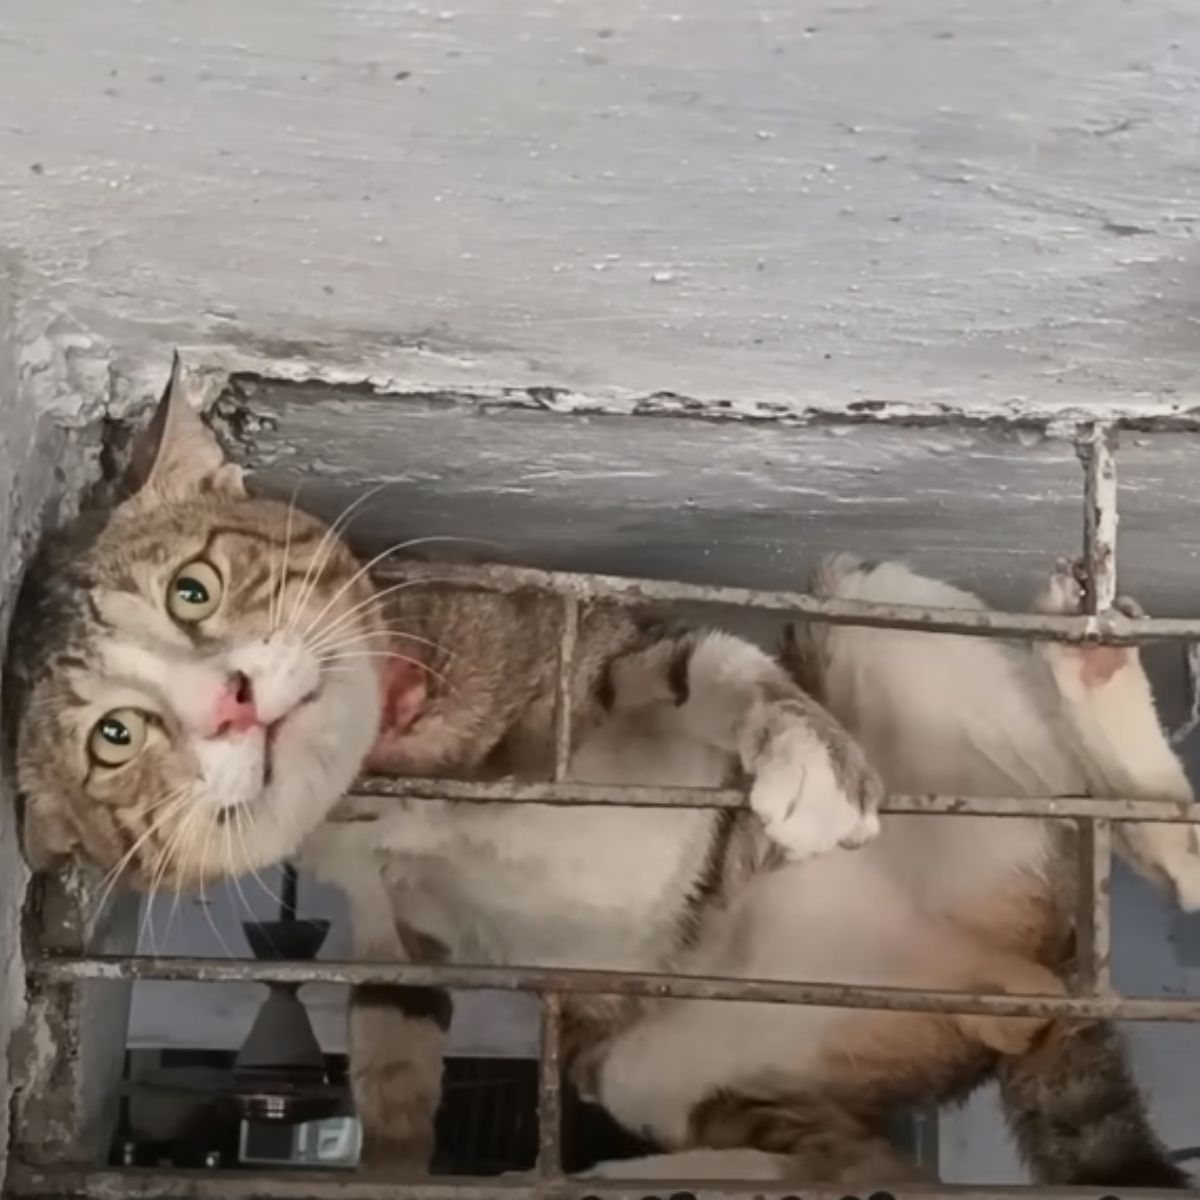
column 190, row 685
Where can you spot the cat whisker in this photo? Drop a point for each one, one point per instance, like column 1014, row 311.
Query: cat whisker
column 323, row 552
column 245, row 865
column 110, row 877
column 277, row 595
column 168, row 805
column 146, row 928
column 204, row 900
column 370, row 634
column 235, row 872
column 416, row 662
column 254, row 873
column 145, row 912
column 366, row 568
column 176, row 900
column 163, row 863
column 342, row 655
column 375, row 598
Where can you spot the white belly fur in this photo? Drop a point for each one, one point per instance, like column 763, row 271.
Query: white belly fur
column 597, row 887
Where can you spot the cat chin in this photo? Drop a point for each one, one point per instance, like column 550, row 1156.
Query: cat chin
column 316, row 756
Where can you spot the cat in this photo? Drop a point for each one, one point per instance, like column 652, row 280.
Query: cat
column 196, row 680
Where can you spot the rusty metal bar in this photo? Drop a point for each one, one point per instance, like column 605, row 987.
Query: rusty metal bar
column 614, row 983
column 549, row 1162
column 563, row 723
column 1094, row 922
column 374, row 798
column 1099, row 519
column 1110, row 627
column 44, row 1183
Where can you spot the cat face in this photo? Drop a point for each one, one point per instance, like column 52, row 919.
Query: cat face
column 197, row 680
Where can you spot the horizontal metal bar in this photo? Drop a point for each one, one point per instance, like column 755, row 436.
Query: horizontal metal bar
column 64, row 1183
column 63, row 969
column 373, row 798
column 1111, row 627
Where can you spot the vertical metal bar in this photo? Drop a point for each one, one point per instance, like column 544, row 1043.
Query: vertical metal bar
column 1099, row 518
column 1095, row 918
column 550, row 1089
column 1100, row 591
column 562, row 690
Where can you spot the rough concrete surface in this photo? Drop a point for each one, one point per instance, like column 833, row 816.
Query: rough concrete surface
column 42, row 471
column 12, row 870
column 790, row 199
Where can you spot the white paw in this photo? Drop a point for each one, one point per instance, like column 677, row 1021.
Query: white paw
column 809, row 803
column 1184, row 870
column 1171, row 854
column 1127, row 606
column 1062, row 594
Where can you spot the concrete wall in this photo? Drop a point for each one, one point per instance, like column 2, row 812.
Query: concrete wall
column 44, row 467
column 12, row 870
column 787, row 202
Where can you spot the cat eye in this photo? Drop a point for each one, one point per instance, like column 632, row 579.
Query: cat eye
column 195, row 592
column 117, row 737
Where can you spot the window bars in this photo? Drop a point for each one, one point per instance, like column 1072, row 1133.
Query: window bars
column 55, row 975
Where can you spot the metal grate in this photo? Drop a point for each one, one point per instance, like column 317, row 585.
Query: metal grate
column 56, row 974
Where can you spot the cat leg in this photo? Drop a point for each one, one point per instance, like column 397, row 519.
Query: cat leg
column 397, row 1034
column 811, row 783
column 749, row 1122
column 1110, row 702
column 821, row 1139
column 397, row 1039
column 1004, row 972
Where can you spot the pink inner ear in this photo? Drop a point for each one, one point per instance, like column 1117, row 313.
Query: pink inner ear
column 1100, row 663
column 405, row 691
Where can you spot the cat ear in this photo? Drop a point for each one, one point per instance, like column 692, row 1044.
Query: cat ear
column 177, row 455
column 48, row 835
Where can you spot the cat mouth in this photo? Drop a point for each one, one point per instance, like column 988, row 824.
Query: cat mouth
column 276, row 728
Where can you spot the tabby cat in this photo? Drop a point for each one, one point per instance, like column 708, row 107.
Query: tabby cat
column 197, row 679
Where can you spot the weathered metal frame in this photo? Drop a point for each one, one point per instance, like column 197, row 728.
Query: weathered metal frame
column 1091, row 997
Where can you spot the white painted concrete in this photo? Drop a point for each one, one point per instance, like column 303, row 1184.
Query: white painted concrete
column 788, row 199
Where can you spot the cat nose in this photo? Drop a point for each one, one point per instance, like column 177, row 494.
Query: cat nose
column 235, row 710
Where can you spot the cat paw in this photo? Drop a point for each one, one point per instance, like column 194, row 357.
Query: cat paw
column 1127, row 606
column 1169, row 855
column 815, row 793
column 1187, row 886
column 1062, row 594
